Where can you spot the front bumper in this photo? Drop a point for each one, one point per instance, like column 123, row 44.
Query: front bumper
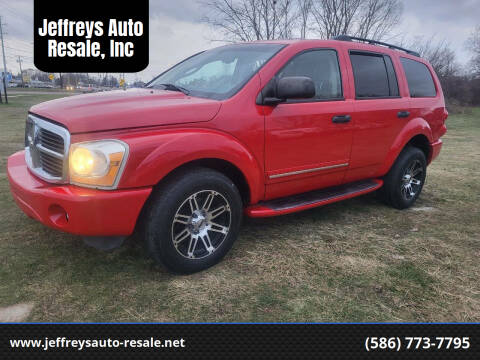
column 74, row 209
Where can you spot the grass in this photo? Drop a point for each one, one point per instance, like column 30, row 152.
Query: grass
column 356, row 260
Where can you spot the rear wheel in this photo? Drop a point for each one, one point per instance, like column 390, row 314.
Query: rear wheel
column 404, row 182
column 193, row 220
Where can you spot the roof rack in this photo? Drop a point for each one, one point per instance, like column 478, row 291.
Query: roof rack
column 374, row 42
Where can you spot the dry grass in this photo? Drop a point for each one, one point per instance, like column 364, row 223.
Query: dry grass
column 352, row 261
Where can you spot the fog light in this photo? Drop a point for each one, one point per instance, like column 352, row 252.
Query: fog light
column 57, row 215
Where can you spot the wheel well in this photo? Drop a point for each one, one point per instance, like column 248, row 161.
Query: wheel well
column 421, row 142
column 222, row 166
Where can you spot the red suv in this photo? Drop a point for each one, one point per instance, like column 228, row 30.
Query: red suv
column 262, row 129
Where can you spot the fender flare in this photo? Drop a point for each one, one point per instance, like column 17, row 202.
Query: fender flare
column 172, row 149
column 416, row 126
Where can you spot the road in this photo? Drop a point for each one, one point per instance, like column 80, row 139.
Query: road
column 15, row 92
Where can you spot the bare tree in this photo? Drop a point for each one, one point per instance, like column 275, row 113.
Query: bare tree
column 304, row 14
column 473, row 44
column 372, row 19
column 438, row 53
column 377, row 18
column 456, row 87
column 335, row 17
column 286, row 18
column 248, row 20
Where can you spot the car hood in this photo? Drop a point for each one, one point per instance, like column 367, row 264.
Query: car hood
column 122, row 109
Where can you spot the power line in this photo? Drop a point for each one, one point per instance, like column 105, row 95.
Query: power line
column 11, row 12
column 17, row 49
column 21, row 50
column 25, row 42
column 18, row 53
column 14, row 12
column 15, row 57
column 19, row 42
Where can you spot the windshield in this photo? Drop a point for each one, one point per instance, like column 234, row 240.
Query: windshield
column 218, row 73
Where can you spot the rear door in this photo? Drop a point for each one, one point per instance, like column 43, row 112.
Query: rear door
column 308, row 142
column 380, row 112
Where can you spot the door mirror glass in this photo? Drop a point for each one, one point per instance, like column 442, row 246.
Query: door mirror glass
column 295, row 87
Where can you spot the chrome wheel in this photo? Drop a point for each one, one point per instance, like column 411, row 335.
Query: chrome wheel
column 201, row 224
column 412, row 180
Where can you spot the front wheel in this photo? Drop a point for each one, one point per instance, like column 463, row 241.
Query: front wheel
column 193, row 220
column 404, row 182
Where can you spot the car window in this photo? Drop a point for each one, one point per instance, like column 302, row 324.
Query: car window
column 209, row 77
column 374, row 75
column 392, row 77
column 322, row 67
column 419, row 78
column 218, row 73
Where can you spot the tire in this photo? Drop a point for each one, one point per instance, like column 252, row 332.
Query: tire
column 404, row 182
column 193, row 220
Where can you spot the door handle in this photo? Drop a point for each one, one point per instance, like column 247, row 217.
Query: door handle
column 403, row 114
column 340, row 119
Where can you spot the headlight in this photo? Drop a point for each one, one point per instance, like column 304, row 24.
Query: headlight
column 97, row 164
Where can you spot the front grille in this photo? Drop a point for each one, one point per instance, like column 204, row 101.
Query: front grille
column 51, row 141
column 51, row 165
column 46, row 149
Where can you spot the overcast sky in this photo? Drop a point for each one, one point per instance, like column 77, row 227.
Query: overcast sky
column 176, row 30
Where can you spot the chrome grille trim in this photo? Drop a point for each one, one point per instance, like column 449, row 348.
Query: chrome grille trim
column 46, row 149
column 49, row 152
column 51, row 141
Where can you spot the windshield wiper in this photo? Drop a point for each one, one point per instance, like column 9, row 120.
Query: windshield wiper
column 174, row 87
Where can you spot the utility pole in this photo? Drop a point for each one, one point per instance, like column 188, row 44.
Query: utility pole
column 4, row 63
column 21, row 71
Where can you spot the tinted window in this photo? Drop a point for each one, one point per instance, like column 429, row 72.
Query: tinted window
column 392, row 77
column 322, row 67
column 371, row 76
column 419, row 78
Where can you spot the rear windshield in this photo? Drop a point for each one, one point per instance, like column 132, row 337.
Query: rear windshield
column 218, row 73
column 419, row 78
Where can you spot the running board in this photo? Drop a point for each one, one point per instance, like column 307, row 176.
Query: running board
column 312, row 199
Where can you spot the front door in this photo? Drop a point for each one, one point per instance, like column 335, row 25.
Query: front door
column 308, row 142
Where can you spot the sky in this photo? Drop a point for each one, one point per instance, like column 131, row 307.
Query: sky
column 176, row 29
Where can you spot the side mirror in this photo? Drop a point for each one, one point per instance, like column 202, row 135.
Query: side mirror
column 292, row 87
column 295, row 87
